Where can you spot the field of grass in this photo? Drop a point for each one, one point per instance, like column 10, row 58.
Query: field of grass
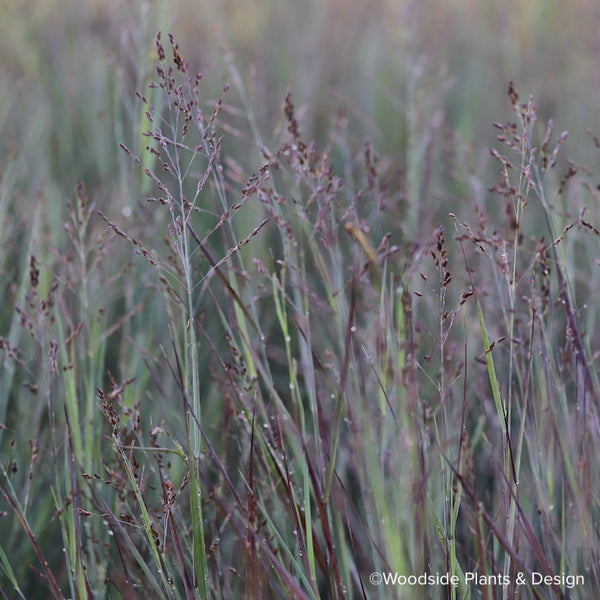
column 320, row 322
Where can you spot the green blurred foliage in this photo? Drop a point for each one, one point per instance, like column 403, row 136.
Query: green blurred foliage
column 69, row 70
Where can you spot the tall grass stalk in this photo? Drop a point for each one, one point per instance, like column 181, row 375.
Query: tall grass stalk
column 180, row 112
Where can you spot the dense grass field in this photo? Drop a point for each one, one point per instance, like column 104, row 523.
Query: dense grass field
column 299, row 299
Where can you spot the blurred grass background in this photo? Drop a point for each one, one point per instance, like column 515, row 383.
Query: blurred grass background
column 58, row 59
column 69, row 70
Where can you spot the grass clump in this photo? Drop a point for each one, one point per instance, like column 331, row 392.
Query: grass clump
column 291, row 380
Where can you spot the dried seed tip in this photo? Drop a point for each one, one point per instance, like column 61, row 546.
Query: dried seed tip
column 80, row 193
column 531, row 110
column 293, row 127
column 34, row 272
column 465, row 296
column 177, row 59
column 159, row 48
column 594, row 137
column 571, row 171
column 512, row 94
